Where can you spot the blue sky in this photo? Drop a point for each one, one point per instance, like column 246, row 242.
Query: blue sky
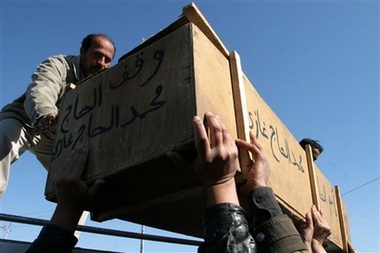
column 316, row 63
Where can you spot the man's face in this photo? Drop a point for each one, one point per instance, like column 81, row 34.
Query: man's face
column 97, row 57
column 316, row 153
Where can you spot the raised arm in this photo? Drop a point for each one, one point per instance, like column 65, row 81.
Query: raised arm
column 73, row 194
column 226, row 228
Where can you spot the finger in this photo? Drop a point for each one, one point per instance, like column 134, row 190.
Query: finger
column 309, row 220
column 51, row 116
column 321, row 213
column 248, row 146
column 216, row 137
column 200, row 137
column 93, row 190
column 254, row 141
column 317, row 215
column 226, row 136
column 314, row 211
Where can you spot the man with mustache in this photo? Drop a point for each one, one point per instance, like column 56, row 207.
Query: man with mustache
column 28, row 122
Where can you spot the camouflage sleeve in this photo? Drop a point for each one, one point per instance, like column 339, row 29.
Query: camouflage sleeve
column 226, row 230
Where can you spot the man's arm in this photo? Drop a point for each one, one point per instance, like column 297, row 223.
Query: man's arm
column 47, row 88
column 216, row 162
column 73, row 194
column 226, row 228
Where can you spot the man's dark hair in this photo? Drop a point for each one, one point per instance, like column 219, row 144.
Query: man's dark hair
column 89, row 39
column 312, row 143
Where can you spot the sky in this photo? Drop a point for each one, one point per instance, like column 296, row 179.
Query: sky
column 316, row 63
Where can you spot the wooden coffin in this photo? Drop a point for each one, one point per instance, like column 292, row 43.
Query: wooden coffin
column 133, row 113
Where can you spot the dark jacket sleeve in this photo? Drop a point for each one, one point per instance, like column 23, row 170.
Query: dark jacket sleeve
column 272, row 230
column 226, row 230
column 53, row 239
column 226, row 227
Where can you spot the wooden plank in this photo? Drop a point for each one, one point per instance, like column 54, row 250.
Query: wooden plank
column 323, row 197
column 212, row 80
column 193, row 14
column 328, row 204
column 342, row 219
column 165, row 212
column 313, row 177
column 190, row 14
column 240, row 110
column 151, row 203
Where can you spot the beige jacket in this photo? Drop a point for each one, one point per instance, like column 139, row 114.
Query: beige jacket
column 45, row 93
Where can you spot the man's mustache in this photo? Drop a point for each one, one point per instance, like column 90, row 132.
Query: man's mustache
column 95, row 68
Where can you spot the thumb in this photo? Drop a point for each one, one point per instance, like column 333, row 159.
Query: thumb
column 96, row 187
column 309, row 221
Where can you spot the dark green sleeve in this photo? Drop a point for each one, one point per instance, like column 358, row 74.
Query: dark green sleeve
column 272, row 230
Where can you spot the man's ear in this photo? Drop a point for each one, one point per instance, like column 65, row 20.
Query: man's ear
column 81, row 50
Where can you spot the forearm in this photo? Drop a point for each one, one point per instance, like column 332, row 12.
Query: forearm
column 45, row 89
column 222, row 193
column 66, row 217
column 317, row 246
column 308, row 245
column 226, row 230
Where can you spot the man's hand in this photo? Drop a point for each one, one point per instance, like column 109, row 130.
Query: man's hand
column 259, row 172
column 216, row 162
column 69, row 187
column 321, row 228
column 317, row 230
column 45, row 122
column 73, row 194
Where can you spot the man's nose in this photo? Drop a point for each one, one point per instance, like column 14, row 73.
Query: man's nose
column 101, row 61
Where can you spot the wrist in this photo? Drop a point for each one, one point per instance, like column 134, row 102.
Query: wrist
column 307, row 242
column 256, row 184
column 317, row 246
column 66, row 217
column 222, row 193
